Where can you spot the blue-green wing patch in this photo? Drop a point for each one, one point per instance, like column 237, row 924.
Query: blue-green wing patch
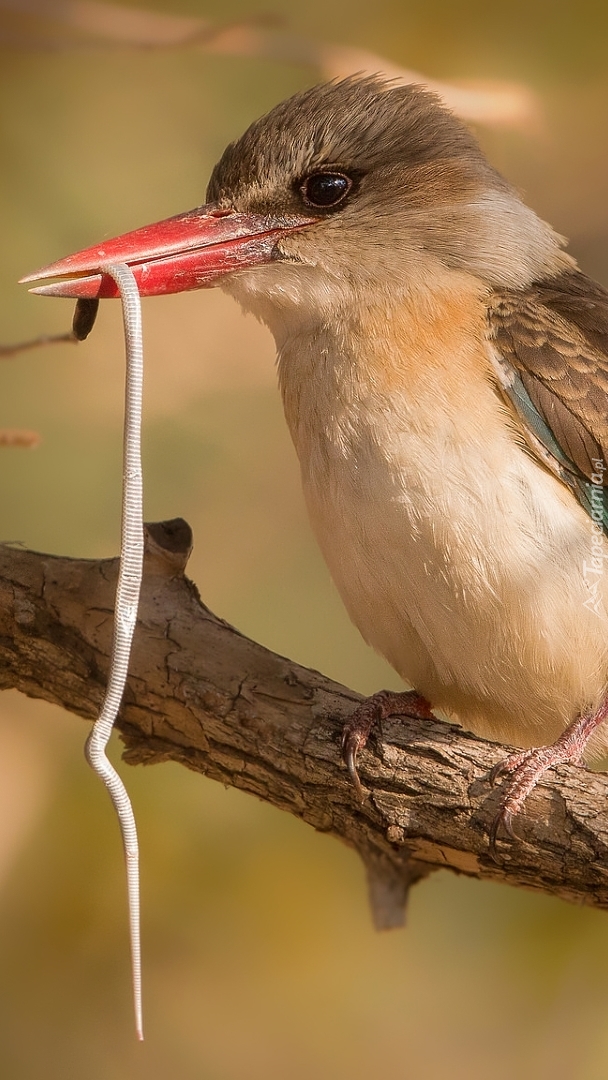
column 552, row 342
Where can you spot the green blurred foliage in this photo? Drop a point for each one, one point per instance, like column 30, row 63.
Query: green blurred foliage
column 260, row 960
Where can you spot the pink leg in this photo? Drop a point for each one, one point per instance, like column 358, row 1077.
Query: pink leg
column 378, row 707
column 528, row 766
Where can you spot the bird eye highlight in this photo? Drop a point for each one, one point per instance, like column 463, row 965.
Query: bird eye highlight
column 326, row 189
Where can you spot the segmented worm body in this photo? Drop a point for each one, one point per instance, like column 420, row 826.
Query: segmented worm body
column 125, row 615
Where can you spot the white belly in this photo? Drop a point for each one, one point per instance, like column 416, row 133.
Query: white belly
column 458, row 557
column 463, row 563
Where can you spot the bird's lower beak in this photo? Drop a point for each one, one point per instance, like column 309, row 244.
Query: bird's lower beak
column 190, row 251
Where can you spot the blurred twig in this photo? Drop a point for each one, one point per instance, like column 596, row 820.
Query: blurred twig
column 201, row 694
column 22, row 438
column 6, row 351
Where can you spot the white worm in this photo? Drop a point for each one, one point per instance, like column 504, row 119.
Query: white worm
column 125, row 614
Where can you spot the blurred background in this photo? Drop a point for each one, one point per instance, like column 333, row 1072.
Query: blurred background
column 260, row 959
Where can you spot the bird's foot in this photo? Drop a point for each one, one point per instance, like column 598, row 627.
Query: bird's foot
column 526, row 768
column 378, row 707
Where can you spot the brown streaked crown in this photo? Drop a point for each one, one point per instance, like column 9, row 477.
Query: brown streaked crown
column 420, row 188
column 360, row 124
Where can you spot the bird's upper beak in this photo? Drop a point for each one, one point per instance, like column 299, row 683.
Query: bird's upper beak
column 189, row 251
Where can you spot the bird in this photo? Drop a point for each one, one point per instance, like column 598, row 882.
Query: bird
column 443, row 364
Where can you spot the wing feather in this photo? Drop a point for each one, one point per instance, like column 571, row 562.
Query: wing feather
column 551, row 341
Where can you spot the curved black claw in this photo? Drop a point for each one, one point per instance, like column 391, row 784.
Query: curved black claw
column 504, row 819
column 351, row 743
column 496, row 772
column 357, row 728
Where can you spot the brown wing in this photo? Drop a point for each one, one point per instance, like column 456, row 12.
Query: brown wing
column 554, row 338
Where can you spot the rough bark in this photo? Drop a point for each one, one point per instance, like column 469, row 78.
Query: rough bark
column 202, row 694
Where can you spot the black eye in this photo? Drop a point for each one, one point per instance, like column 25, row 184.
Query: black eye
column 325, row 189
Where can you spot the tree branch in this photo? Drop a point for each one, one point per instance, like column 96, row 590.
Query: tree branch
column 202, row 694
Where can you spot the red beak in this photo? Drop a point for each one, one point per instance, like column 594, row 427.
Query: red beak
column 190, row 251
